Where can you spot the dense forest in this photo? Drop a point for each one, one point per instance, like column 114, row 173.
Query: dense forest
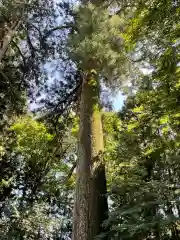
column 71, row 167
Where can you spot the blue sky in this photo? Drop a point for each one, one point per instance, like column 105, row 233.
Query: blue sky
column 118, row 101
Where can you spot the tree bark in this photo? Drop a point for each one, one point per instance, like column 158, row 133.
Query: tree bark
column 7, row 38
column 98, row 198
column 91, row 203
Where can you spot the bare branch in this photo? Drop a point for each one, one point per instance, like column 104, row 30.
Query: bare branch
column 70, row 172
column 19, row 50
column 48, row 33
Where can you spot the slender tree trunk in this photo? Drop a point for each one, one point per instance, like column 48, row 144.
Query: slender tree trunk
column 91, row 203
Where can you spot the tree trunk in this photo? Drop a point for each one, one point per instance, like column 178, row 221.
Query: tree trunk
column 91, row 203
column 7, row 38
column 98, row 198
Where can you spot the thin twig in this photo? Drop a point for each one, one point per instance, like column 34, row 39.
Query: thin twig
column 19, row 50
column 5, row 77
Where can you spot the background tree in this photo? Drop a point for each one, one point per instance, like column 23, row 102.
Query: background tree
column 146, row 199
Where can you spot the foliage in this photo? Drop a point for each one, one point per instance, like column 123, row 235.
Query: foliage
column 144, row 187
column 141, row 142
column 97, row 43
column 31, row 188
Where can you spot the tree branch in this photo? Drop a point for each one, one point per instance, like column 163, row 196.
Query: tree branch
column 57, row 111
column 70, row 172
column 8, row 38
column 32, row 48
column 19, row 50
column 5, row 77
column 48, row 33
column 96, row 158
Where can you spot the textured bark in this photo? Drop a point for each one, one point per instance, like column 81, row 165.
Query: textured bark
column 91, row 203
column 91, row 206
column 7, row 38
column 98, row 198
